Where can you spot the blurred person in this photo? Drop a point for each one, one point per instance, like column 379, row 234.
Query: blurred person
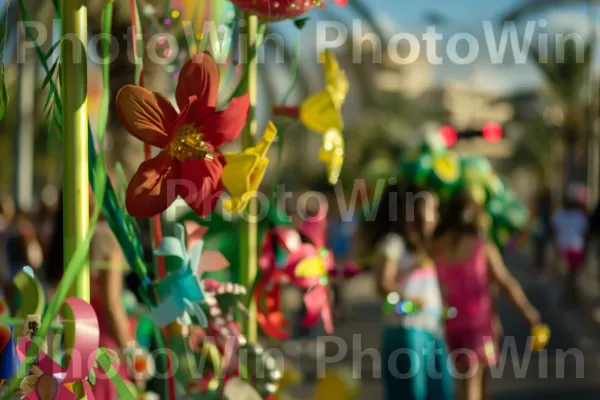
column 405, row 274
column 541, row 230
column 107, row 284
column 570, row 228
column 470, row 270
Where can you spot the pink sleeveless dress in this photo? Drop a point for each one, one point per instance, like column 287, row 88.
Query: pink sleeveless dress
column 465, row 286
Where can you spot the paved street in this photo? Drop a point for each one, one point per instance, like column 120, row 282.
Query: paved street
column 570, row 368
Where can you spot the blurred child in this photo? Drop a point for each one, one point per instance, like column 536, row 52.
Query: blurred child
column 470, row 267
column 570, row 228
column 404, row 222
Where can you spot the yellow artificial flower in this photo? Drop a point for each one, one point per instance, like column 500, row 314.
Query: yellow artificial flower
column 332, row 154
column 323, row 110
column 311, row 267
column 245, row 171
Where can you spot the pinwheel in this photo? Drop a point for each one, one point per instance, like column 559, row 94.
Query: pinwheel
column 306, row 266
column 322, row 113
column 190, row 164
column 180, row 291
column 274, row 10
column 90, row 360
column 245, row 171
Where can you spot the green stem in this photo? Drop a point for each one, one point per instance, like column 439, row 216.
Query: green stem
column 75, row 139
column 106, row 29
column 248, row 228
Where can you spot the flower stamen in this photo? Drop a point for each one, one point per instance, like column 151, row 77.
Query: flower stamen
column 188, row 144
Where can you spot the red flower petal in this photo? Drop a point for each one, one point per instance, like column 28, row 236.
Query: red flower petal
column 199, row 77
column 146, row 115
column 150, row 192
column 225, row 126
column 201, row 185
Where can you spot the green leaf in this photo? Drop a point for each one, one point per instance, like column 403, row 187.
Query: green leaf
column 49, row 97
column 301, row 22
column 54, row 46
column 50, row 76
column 3, row 91
column 92, row 377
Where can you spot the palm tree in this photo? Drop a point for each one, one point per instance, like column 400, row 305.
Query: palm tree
column 570, row 83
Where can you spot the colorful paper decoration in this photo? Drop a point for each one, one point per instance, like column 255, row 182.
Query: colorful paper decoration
column 306, row 266
column 274, row 10
column 180, row 291
column 332, row 154
column 190, row 164
column 322, row 113
column 323, row 110
column 245, row 171
column 88, row 355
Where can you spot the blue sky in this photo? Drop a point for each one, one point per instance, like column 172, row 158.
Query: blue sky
column 410, row 12
column 467, row 16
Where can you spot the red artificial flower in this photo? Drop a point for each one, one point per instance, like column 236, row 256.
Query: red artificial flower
column 190, row 164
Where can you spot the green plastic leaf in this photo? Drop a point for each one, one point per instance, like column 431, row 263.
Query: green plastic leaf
column 106, row 363
column 92, row 377
column 301, row 22
column 3, row 91
column 52, row 49
column 49, row 77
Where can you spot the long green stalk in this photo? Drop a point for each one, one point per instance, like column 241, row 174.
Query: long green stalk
column 248, row 229
column 75, row 139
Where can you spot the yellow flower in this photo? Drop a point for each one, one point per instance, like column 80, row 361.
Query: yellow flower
column 323, row 110
column 311, row 267
column 245, row 171
column 332, row 154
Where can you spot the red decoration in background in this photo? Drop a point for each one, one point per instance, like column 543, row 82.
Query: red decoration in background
column 449, row 135
column 274, row 10
column 492, row 132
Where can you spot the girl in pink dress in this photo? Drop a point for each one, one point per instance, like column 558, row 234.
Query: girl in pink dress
column 468, row 264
